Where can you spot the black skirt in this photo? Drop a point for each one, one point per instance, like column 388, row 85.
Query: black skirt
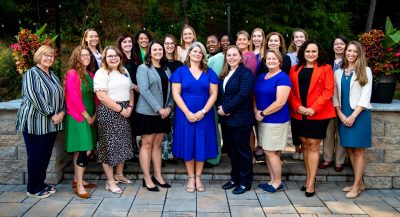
column 149, row 124
column 314, row 129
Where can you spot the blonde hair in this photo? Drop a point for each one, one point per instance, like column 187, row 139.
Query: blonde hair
column 194, row 35
column 263, row 43
column 104, row 64
column 84, row 42
column 292, row 46
column 278, row 55
column 360, row 66
column 226, row 68
column 203, row 63
column 282, row 48
column 44, row 49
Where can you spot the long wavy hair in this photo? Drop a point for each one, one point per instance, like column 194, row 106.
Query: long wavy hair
column 104, row 63
column 76, row 63
column 125, row 60
column 282, row 47
column 203, row 63
column 226, row 68
column 321, row 60
column 147, row 57
column 360, row 65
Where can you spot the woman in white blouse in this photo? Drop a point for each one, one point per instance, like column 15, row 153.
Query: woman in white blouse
column 114, row 89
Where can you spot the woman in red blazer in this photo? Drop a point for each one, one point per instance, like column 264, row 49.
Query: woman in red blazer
column 311, row 105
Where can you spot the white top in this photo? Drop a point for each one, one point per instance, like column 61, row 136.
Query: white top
column 359, row 96
column 227, row 78
column 117, row 85
column 182, row 53
column 97, row 56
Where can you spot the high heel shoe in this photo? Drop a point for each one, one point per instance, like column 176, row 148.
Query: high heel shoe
column 303, row 188
column 150, row 189
column 165, row 185
column 310, row 194
column 84, row 195
column 116, row 190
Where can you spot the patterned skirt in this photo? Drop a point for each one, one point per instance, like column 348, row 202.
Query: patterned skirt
column 115, row 138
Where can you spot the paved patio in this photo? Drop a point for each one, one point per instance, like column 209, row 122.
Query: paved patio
column 137, row 201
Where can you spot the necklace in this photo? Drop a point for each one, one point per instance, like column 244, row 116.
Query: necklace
column 348, row 73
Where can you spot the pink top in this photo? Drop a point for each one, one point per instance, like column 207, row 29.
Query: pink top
column 73, row 95
column 250, row 61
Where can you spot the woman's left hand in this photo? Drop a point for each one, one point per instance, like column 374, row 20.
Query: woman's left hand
column 136, row 88
column 199, row 115
column 258, row 116
column 221, row 111
column 349, row 121
column 309, row 112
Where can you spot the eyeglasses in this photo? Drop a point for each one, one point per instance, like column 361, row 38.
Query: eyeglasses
column 49, row 56
column 112, row 56
column 85, row 55
column 169, row 43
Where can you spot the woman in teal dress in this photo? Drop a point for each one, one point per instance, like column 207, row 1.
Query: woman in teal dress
column 80, row 131
column 353, row 85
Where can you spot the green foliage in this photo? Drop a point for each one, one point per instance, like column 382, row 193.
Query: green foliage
column 392, row 35
column 10, row 79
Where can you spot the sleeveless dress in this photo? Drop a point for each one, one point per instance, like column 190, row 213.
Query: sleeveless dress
column 358, row 135
column 196, row 140
column 79, row 136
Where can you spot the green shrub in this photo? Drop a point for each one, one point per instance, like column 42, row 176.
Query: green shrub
column 10, row 80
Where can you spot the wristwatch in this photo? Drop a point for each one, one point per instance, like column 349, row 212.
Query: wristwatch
column 262, row 114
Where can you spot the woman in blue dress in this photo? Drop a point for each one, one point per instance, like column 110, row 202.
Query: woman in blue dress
column 195, row 89
column 353, row 83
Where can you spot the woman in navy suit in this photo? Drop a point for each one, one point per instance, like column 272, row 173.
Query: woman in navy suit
column 235, row 109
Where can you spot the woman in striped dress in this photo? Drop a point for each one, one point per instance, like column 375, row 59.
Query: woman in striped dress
column 40, row 119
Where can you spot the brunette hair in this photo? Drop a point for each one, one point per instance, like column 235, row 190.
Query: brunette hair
column 148, row 35
column 104, row 64
column 203, row 63
column 226, row 67
column 147, row 57
column 360, row 66
column 278, row 55
column 282, row 47
column 292, row 46
column 125, row 60
column 176, row 55
column 321, row 60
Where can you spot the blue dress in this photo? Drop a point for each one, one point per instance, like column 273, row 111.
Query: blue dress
column 359, row 135
column 196, row 140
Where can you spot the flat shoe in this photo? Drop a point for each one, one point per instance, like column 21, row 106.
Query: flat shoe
column 88, row 185
column 348, row 188
column 339, row 168
column 352, row 195
column 40, row 195
column 84, row 195
column 325, row 164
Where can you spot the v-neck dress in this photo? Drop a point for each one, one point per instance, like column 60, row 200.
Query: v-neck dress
column 196, row 140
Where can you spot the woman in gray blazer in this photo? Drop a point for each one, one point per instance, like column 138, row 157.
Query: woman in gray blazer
column 153, row 109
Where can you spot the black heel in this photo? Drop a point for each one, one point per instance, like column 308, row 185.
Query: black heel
column 310, row 194
column 150, row 189
column 165, row 185
column 303, row 188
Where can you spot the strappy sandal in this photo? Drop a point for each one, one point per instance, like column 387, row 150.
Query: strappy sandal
column 201, row 187
column 116, row 190
column 191, row 189
column 121, row 179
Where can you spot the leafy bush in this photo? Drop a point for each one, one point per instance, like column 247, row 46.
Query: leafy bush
column 10, row 80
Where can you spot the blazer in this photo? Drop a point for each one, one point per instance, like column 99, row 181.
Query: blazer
column 359, row 96
column 73, row 95
column 319, row 95
column 237, row 99
column 150, row 88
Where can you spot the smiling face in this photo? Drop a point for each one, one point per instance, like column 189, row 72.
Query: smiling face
column 225, row 42
column 196, row 55
column 156, row 52
column 274, row 42
column 233, row 57
column 112, row 59
column 92, row 38
column 311, row 53
column 188, row 36
column 338, row 46
column 169, row 45
column 126, row 45
column 257, row 38
column 272, row 62
column 212, row 45
column 143, row 41
column 85, row 57
column 242, row 42
column 47, row 60
column 351, row 53
column 299, row 38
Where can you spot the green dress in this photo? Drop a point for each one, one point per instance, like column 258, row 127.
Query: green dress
column 80, row 136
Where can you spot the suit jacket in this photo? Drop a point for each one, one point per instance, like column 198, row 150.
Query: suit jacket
column 150, row 88
column 359, row 96
column 319, row 95
column 236, row 100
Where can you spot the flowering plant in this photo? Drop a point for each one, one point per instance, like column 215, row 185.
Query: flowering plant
column 382, row 49
column 28, row 43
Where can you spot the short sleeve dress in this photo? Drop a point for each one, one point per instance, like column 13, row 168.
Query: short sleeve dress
column 196, row 140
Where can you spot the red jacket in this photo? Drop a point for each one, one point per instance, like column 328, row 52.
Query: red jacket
column 319, row 95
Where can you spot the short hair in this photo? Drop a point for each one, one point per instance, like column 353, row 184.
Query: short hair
column 44, row 49
column 277, row 53
column 203, row 64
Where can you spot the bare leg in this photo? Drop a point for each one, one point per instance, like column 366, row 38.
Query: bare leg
column 78, row 177
column 313, row 146
column 145, row 158
column 271, row 174
column 191, row 184
column 304, row 148
column 109, row 171
column 199, row 171
column 359, row 166
column 275, row 167
column 156, row 157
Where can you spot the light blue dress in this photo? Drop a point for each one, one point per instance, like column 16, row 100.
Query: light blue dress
column 359, row 135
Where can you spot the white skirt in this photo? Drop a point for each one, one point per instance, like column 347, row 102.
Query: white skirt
column 273, row 137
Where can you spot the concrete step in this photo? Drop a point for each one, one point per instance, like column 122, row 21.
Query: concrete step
column 292, row 170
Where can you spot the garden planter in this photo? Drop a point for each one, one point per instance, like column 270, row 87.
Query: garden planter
column 383, row 88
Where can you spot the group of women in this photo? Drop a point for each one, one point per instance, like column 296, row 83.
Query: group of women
column 140, row 86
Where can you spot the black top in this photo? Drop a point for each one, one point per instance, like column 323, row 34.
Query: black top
column 304, row 84
column 173, row 65
column 164, row 83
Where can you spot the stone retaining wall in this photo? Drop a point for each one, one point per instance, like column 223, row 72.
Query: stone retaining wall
column 382, row 169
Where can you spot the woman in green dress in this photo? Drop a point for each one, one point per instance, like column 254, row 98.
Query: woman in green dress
column 80, row 131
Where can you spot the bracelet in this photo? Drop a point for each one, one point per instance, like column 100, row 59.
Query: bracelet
column 262, row 114
column 122, row 108
column 204, row 111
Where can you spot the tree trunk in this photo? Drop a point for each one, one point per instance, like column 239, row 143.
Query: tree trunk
column 371, row 12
